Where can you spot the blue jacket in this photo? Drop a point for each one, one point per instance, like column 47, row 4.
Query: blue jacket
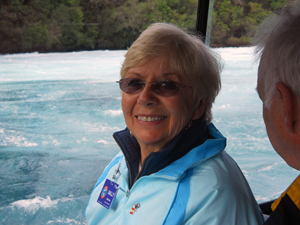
column 205, row 186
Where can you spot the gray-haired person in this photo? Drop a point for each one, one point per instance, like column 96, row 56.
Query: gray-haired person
column 278, row 85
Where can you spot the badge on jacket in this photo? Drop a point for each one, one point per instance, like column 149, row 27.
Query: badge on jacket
column 108, row 193
column 134, row 208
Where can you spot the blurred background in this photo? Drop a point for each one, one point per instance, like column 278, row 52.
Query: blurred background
column 74, row 25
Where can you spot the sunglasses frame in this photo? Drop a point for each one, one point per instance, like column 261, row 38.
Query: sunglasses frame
column 167, row 92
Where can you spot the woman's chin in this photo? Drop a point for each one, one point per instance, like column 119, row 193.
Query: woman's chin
column 151, row 139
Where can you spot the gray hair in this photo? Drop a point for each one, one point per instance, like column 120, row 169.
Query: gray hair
column 277, row 43
column 197, row 65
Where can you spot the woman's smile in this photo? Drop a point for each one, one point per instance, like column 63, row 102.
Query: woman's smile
column 150, row 118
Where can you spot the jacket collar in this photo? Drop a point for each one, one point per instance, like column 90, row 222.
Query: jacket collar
column 185, row 141
column 197, row 155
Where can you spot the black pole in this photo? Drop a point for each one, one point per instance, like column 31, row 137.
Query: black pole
column 202, row 17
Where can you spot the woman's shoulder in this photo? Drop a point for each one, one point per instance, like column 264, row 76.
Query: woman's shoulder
column 220, row 171
column 222, row 180
column 220, row 191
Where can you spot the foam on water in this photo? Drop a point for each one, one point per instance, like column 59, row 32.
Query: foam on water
column 46, row 208
column 32, row 205
column 96, row 65
column 113, row 112
column 59, row 111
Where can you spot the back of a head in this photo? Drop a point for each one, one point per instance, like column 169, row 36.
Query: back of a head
column 277, row 42
column 195, row 63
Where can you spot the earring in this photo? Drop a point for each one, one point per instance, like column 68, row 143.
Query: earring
column 189, row 125
column 131, row 134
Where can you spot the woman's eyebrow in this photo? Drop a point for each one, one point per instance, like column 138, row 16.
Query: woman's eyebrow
column 137, row 74
column 163, row 75
column 169, row 74
column 172, row 76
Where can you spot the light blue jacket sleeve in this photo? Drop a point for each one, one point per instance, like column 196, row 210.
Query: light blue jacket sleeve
column 223, row 193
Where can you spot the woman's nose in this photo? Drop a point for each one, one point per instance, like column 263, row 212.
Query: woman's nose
column 147, row 96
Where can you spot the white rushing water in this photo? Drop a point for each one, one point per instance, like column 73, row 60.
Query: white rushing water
column 57, row 115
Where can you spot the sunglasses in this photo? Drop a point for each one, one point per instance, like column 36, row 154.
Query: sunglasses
column 163, row 88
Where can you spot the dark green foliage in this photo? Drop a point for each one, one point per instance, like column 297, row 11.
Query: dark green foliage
column 72, row 25
column 234, row 20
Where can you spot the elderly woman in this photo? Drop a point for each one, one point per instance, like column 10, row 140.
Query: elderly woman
column 173, row 168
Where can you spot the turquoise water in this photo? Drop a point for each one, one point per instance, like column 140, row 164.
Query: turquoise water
column 57, row 115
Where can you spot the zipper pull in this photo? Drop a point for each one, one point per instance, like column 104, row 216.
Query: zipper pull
column 127, row 193
column 116, row 172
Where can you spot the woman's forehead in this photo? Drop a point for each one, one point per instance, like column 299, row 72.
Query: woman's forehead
column 161, row 76
column 160, row 64
column 170, row 65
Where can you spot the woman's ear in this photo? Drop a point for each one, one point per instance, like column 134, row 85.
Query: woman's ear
column 288, row 106
column 199, row 111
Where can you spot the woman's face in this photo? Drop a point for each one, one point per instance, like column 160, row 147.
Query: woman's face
column 153, row 119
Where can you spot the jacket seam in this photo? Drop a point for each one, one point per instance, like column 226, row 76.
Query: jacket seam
column 188, row 174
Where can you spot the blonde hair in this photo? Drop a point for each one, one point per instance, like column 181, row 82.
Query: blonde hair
column 197, row 66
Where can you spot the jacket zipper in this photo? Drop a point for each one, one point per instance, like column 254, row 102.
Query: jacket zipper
column 142, row 168
column 129, row 168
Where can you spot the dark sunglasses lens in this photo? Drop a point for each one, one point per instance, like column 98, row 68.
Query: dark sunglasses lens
column 131, row 85
column 166, row 88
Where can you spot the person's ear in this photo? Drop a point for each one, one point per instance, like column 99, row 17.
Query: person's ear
column 199, row 111
column 288, row 107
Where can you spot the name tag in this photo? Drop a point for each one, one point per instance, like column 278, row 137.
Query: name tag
column 108, row 193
